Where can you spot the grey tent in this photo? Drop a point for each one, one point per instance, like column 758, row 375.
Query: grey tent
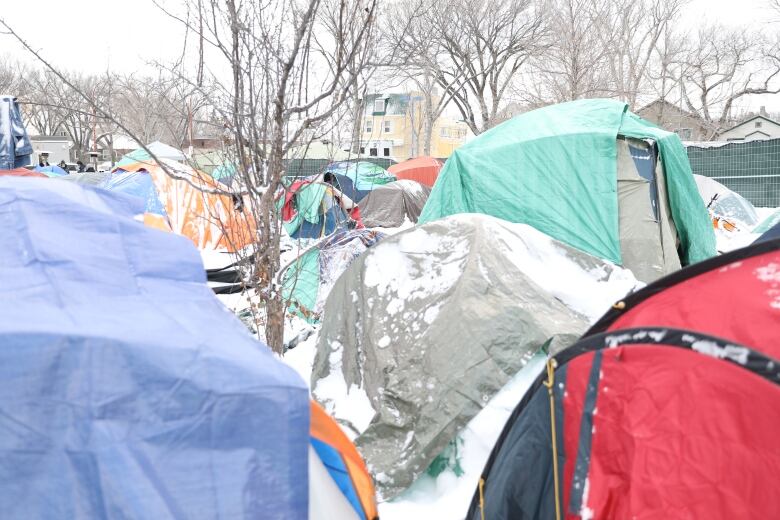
column 425, row 327
column 389, row 205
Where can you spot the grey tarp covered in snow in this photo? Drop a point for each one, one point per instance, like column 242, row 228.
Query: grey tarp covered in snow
column 425, row 327
column 387, row 206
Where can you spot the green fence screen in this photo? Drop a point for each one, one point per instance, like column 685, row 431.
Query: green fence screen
column 307, row 167
column 751, row 169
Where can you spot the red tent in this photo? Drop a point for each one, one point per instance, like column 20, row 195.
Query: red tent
column 424, row 170
column 668, row 408
column 22, row 172
column 734, row 296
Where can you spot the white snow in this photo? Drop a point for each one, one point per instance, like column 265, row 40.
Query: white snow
column 770, row 274
column 413, row 187
column 342, row 401
column 590, row 293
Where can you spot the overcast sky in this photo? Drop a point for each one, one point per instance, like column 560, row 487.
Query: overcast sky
column 96, row 35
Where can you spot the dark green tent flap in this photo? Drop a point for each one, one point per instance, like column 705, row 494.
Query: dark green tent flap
column 556, row 169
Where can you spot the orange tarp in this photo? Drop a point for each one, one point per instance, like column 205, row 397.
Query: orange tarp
column 424, row 170
column 209, row 219
column 325, row 429
column 22, row 172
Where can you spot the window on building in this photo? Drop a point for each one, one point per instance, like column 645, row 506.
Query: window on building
column 386, row 152
column 372, row 152
column 388, row 126
column 379, row 105
column 444, row 132
column 362, row 150
column 758, row 124
column 369, row 126
column 685, row 133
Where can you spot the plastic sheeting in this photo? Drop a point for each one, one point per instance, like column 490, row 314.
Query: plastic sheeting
column 309, row 280
column 555, row 169
column 126, row 389
column 726, row 203
column 425, row 327
column 15, row 145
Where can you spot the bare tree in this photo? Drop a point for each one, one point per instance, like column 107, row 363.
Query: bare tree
column 11, row 75
column 722, row 66
column 473, row 50
column 635, row 28
column 293, row 66
column 576, row 64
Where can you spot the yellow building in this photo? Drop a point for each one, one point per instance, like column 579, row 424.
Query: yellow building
column 392, row 127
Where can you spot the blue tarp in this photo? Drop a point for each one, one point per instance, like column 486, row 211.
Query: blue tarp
column 15, row 145
column 138, row 184
column 126, row 389
column 51, row 171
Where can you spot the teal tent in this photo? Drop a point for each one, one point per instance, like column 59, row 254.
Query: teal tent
column 160, row 150
column 590, row 174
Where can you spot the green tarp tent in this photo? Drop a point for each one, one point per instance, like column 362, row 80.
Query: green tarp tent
column 559, row 168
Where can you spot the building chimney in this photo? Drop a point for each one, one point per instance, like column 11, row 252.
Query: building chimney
column 762, row 111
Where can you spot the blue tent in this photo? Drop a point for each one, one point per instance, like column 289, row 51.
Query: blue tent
column 126, row 390
column 771, row 234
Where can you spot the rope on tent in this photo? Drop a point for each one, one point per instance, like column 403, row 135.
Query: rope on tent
column 482, row 497
column 551, row 364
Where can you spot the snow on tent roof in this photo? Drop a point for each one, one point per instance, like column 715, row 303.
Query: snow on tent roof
column 126, row 388
column 555, row 169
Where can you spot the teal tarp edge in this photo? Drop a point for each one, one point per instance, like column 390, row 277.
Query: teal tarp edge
column 301, row 285
column 483, row 175
column 694, row 227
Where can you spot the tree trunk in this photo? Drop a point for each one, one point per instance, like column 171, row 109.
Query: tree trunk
column 357, row 125
column 428, row 120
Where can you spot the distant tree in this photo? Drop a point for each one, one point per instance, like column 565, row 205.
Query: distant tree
column 472, row 50
column 722, row 66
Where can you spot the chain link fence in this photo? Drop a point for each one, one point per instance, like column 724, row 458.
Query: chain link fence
column 751, row 168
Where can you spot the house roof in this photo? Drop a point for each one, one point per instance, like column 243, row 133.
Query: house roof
column 749, row 119
column 668, row 104
column 62, row 138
